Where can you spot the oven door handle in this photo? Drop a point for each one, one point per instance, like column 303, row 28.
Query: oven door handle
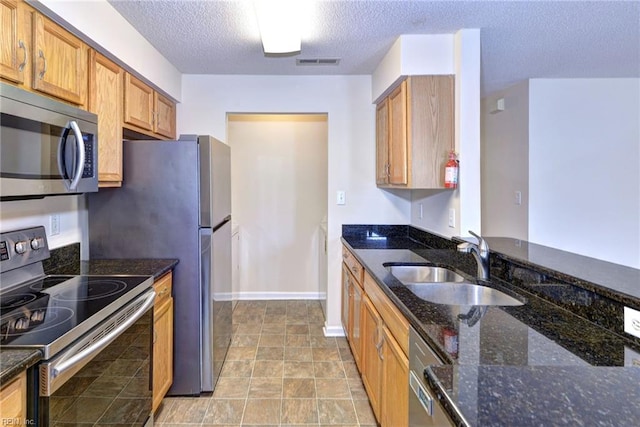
column 97, row 346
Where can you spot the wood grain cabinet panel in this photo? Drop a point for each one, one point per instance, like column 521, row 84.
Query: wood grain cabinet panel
column 395, row 383
column 105, row 99
column 138, row 103
column 147, row 111
column 165, row 111
column 60, row 62
column 13, row 400
column 13, row 50
column 371, row 355
column 162, row 340
column 414, row 133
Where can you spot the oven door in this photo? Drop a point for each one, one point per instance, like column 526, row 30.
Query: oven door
column 103, row 378
column 46, row 147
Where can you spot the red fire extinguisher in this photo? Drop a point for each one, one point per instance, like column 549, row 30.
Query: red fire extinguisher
column 451, row 171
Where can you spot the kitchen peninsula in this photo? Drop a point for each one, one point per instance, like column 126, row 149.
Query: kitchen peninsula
column 561, row 358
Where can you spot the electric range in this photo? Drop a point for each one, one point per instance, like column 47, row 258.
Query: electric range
column 88, row 328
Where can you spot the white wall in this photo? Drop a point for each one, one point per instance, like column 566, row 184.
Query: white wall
column 584, row 163
column 351, row 144
column 505, row 163
column 32, row 213
column 279, row 198
column 97, row 20
column 413, row 54
column 466, row 199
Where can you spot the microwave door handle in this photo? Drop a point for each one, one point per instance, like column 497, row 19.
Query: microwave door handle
column 73, row 186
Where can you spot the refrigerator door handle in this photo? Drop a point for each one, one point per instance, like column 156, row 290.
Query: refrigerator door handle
column 206, row 277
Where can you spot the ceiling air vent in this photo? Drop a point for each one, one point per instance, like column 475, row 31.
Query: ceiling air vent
column 318, row 61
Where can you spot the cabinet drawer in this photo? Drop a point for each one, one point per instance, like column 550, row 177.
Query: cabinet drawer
column 393, row 319
column 162, row 286
column 354, row 266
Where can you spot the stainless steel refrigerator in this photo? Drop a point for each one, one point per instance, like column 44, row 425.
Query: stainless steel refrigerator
column 175, row 202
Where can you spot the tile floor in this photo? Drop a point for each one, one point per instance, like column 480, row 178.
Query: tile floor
column 280, row 370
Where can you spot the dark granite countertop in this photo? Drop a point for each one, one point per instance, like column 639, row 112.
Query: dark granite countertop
column 539, row 395
column 13, row 362
column 516, row 342
column 137, row 267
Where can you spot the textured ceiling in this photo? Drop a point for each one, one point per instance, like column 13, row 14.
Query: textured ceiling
column 519, row 39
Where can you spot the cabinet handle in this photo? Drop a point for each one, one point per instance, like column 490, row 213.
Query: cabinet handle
column 354, row 269
column 388, row 169
column 163, row 292
column 22, row 46
column 380, row 356
column 44, row 68
column 155, row 336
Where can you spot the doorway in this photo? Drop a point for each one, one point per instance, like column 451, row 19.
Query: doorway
column 279, row 201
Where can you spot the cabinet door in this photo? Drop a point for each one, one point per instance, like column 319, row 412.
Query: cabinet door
column 138, row 103
column 395, row 383
column 60, row 62
column 162, row 351
column 13, row 400
column 371, row 355
column 382, row 142
column 105, row 99
column 13, row 48
column 346, row 297
column 398, row 141
column 356, row 325
column 165, row 111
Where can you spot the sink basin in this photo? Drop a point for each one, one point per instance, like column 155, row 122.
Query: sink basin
column 423, row 274
column 461, row 294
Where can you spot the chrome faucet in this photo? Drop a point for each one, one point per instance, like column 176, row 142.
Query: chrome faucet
column 480, row 252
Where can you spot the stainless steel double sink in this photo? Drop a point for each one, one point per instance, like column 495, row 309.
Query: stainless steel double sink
column 441, row 285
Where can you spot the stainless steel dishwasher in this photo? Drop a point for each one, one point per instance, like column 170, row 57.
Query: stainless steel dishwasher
column 424, row 409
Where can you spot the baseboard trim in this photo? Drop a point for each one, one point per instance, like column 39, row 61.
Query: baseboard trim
column 333, row 331
column 279, row 295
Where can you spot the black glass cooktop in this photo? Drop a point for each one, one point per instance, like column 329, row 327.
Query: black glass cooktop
column 41, row 312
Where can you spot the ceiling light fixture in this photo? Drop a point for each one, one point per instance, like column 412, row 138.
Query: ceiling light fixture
column 280, row 25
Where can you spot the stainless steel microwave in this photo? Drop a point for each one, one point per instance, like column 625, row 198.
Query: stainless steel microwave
column 46, row 147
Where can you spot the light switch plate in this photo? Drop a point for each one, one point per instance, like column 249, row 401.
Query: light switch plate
column 632, row 321
column 341, row 197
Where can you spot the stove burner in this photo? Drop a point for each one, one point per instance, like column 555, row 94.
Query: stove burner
column 48, row 282
column 95, row 289
column 16, row 300
column 23, row 323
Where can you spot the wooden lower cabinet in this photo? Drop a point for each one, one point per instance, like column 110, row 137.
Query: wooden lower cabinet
column 162, row 340
column 378, row 335
column 13, row 400
column 395, row 383
column 371, row 355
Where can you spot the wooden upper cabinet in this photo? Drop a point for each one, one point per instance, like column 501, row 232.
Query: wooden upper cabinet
column 13, row 49
column 138, row 103
column 60, row 62
column 398, row 144
column 105, row 100
column 147, row 111
column 165, row 110
column 382, row 142
column 418, row 127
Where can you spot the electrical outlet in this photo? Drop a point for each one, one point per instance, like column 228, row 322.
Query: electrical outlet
column 452, row 218
column 517, row 198
column 54, row 224
column 632, row 321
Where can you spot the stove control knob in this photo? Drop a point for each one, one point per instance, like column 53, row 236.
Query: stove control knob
column 37, row 243
column 21, row 247
column 21, row 324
